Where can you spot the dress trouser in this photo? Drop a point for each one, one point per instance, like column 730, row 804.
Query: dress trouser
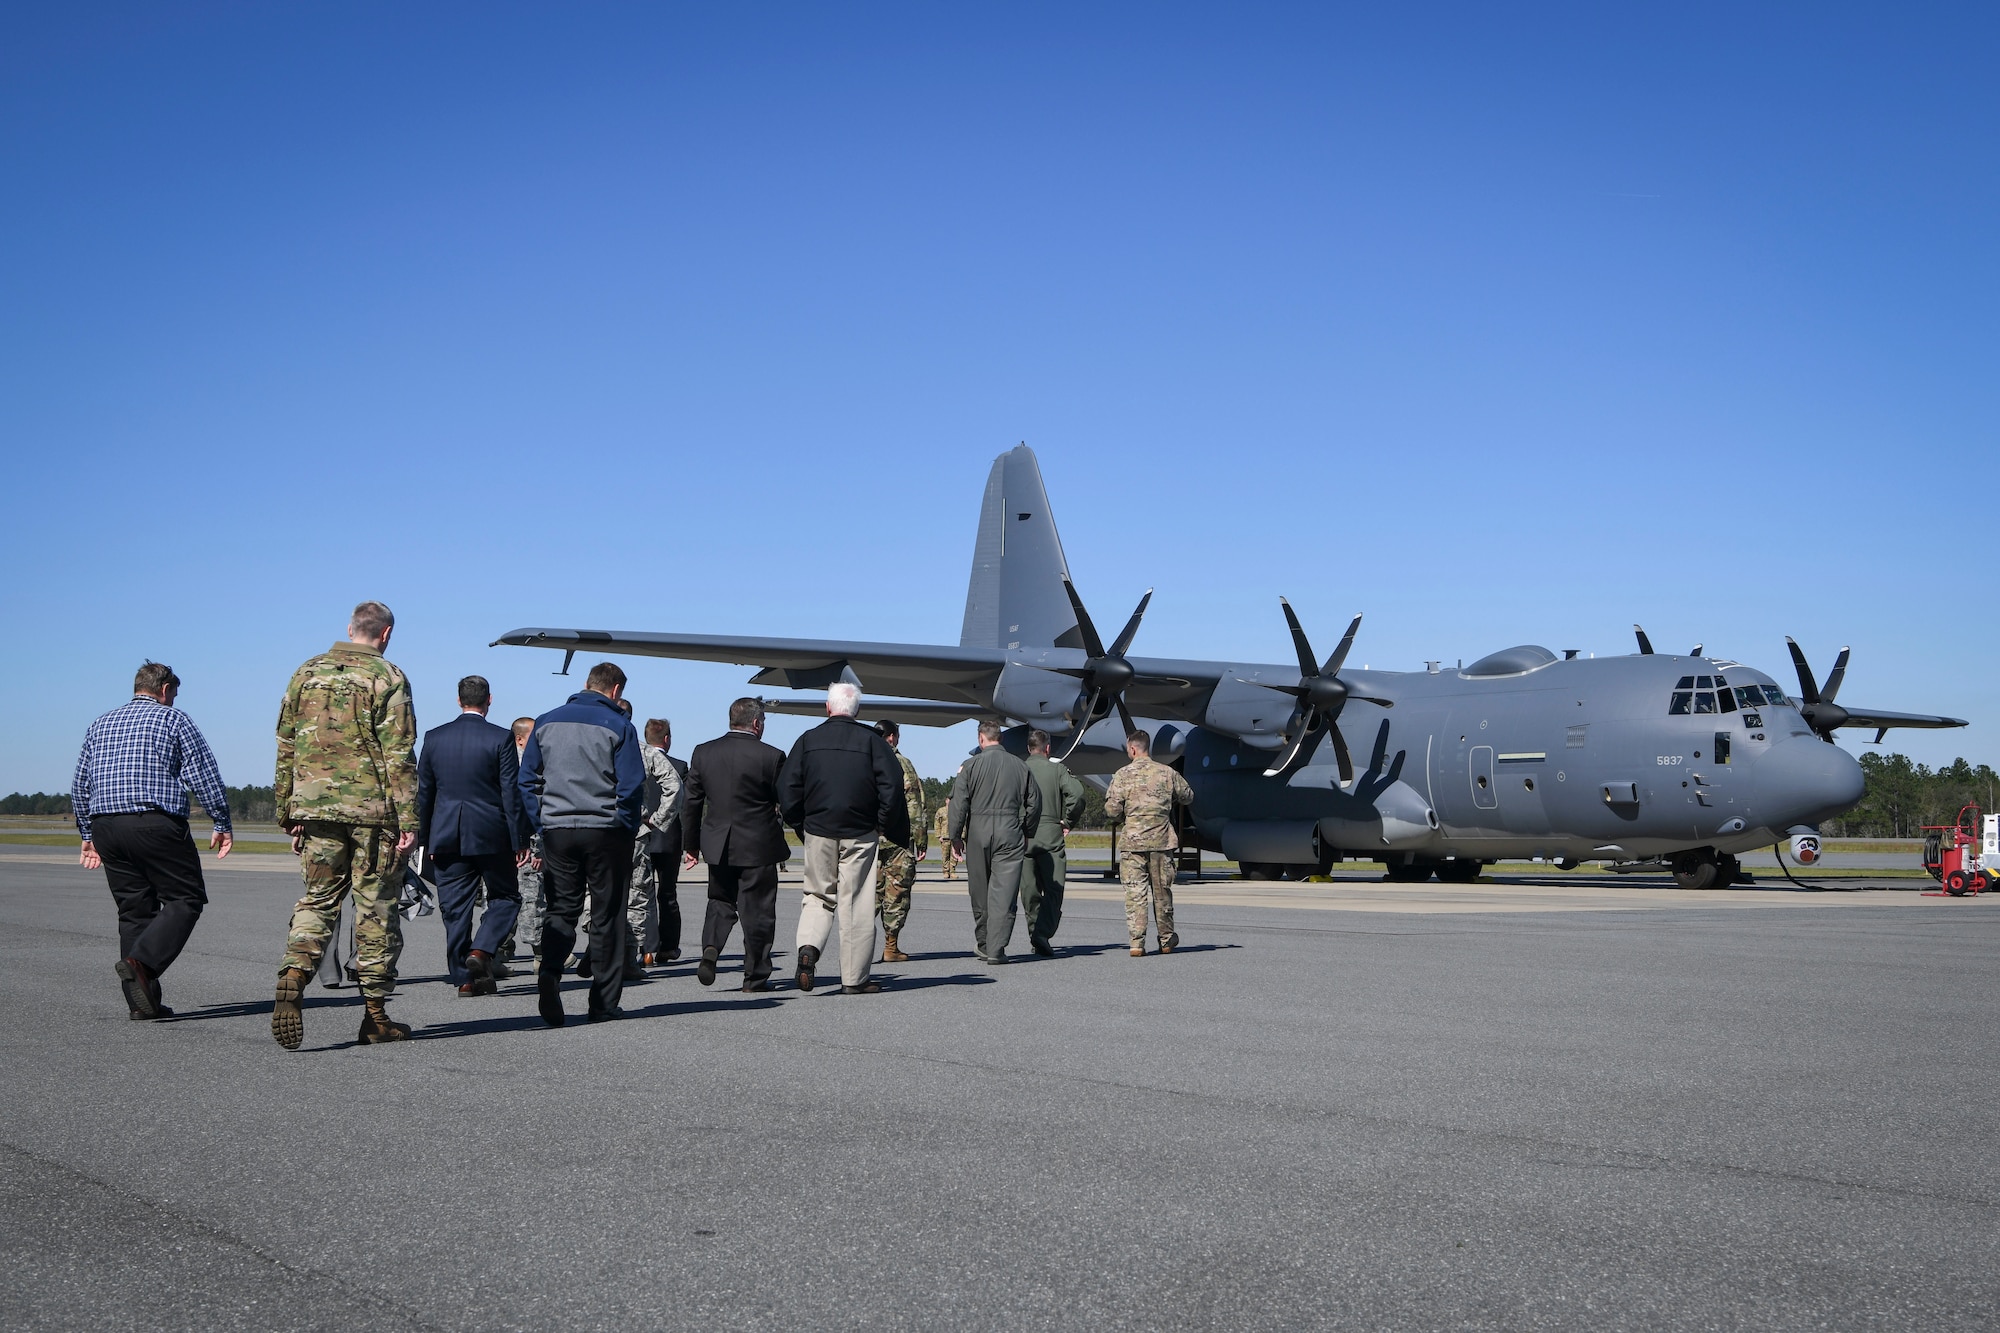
column 154, row 872
column 458, row 881
column 597, row 862
column 840, row 883
column 993, row 855
column 1042, row 889
column 748, row 894
column 667, row 891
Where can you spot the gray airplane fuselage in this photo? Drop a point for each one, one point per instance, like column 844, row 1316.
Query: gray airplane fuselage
column 1580, row 759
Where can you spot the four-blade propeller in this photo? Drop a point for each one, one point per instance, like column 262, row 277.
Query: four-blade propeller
column 1104, row 674
column 1817, row 707
column 1321, row 694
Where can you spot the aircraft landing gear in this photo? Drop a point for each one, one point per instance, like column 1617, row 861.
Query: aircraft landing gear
column 1461, row 871
column 1703, row 869
column 1412, row 872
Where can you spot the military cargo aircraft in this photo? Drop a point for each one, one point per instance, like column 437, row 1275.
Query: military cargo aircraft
column 1648, row 759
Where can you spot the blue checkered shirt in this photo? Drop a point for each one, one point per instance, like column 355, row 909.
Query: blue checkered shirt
column 145, row 756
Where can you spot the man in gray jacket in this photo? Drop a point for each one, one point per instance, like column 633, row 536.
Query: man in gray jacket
column 994, row 806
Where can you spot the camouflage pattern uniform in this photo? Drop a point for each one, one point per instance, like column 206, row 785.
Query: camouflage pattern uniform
column 347, row 773
column 660, row 808
column 896, row 871
column 942, row 835
column 1140, row 803
column 534, row 901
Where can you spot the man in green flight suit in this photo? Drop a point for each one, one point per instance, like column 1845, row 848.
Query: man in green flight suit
column 896, row 871
column 1140, row 804
column 1048, row 848
column 994, row 805
column 347, row 793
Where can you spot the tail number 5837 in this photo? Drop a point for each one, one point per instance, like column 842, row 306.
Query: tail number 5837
column 1667, row 759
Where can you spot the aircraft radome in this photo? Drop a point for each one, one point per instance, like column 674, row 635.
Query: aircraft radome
column 1646, row 758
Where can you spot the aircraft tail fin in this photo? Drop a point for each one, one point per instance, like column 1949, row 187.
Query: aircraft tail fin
column 1016, row 597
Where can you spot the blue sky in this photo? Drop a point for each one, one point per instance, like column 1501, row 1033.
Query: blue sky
column 1501, row 324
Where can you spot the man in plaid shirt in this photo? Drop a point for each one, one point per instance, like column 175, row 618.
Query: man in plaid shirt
column 130, row 799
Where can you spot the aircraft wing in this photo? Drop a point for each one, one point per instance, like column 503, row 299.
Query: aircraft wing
column 904, row 712
column 923, row 671
column 1875, row 717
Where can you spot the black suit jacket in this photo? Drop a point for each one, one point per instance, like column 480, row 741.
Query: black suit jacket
column 730, row 816
column 468, row 795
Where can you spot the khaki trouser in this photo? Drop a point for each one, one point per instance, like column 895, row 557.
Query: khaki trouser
column 336, row 860
column 1149, row 874
column 840, row 883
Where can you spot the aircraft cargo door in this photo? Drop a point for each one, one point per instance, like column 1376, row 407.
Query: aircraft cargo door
column 1483, row 794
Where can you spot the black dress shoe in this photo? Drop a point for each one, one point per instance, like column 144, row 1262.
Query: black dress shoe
column 137, row 984
column 865, row 988
column 603, row 1015
column 760, row 986
column 1042, row 946
column 159, row 1011
column 548, row 994
column 808, row 962
column 704, row 971
column 583, row 966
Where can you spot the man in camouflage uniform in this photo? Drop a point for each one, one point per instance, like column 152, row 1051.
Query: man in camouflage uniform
column 941, row 834
column 1047, row 870
column 896, row 872
column 648, row 910
column 1140, row 803
column 528, row 926
column 347, row 793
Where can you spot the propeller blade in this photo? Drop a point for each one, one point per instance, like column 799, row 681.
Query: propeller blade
column 1834, row 677
column 1340, row 752
column 1807, row 690
column 1124, row 639
column 1645, row 644
column 1305, row 650
column 1339, row 658
column 1379, row 703
column 1092, row 645
column 1300, row 752
column 1124, row 715
column 1082, row 725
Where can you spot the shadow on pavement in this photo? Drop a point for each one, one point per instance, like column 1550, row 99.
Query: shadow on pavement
column 892, row 982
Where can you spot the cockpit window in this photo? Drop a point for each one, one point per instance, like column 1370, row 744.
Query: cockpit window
column 1704, row 700
column 1750, row 696
column 1702, row 682
column 1724, row 695
column 1684, row 683
column 1681, row 702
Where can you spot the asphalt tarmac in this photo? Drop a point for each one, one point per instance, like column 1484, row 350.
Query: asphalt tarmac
column 1558, row 1106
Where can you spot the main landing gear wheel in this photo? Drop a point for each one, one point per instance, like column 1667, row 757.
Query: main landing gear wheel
column 1460, row 871
column 1414, row 873
column 1698, row 870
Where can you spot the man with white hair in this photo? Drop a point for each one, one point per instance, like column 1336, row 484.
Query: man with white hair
column 843, row 790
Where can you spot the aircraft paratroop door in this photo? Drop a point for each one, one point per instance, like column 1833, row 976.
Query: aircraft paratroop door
column 1484, row 794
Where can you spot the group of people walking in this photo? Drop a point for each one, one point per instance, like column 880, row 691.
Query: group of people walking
column 574, row 825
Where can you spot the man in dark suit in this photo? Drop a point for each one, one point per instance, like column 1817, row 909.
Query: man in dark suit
column 473, row 828
column 730, row 819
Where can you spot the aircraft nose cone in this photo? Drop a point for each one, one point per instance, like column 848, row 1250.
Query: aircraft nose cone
column 1805, row 780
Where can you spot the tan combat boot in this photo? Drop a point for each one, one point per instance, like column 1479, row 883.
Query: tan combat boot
column 288, row 1025
column 377, row 1027
column 1138, row 948
column 890, row 953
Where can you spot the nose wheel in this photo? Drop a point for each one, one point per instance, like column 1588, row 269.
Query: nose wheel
column 1704, row 869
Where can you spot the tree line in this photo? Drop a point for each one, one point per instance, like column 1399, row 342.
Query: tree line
column 937, row 794
column 249, row 805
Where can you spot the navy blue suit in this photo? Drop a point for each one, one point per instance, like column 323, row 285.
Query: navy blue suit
column 471, row 823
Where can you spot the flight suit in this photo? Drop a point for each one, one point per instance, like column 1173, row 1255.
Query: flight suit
column 994, row 804
column 1048, row 850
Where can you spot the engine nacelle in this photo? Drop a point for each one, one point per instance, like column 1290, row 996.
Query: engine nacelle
column 1254, row 715
column 1045, row 699
column 1285, row 842
column 1401, row 819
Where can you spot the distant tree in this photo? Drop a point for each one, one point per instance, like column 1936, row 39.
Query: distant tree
column 1902, row 796
column 38, row 803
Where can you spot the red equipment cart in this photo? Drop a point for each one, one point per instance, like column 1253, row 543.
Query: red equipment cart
column 1959, row 857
